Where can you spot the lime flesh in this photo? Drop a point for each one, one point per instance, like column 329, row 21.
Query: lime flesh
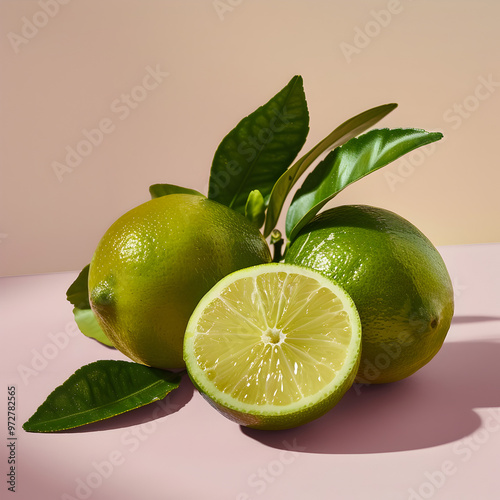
column 273, row 346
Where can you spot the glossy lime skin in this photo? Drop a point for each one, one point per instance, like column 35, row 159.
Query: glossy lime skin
column 396, row 278
column 156, row 262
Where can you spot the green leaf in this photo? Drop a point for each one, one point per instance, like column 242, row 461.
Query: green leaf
column 260, row 148
column 88, row 325
column 78, row 295
column 98, row 391
column 255, row 208
column 78, row 292
column 349, row 129
column 347, row 164
column 158, row 190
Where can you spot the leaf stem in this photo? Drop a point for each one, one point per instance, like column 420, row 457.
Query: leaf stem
column 277, row 242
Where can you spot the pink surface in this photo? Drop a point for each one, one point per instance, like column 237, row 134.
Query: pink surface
column 434, row 435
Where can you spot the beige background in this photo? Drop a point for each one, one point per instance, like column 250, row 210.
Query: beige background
column 66, row 65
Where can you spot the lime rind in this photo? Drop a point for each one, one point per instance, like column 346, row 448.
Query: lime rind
column 396, row 277
column 234, row 360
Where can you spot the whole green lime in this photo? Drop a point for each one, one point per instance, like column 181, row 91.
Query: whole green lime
column 396, row 278
column 156, row 262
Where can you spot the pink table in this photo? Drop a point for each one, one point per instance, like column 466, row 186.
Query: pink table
column 435, row 435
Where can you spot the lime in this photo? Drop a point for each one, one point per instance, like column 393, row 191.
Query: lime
column 395, row 276
column 273, row 346
column 156, row 262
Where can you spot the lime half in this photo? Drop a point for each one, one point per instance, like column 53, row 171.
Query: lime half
column 273, row 346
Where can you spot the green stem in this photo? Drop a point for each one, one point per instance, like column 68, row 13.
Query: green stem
column 277, row 242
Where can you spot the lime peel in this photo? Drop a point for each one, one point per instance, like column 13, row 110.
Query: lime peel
column 396, row 277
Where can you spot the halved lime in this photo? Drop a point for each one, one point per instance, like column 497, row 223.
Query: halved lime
column 273, row 346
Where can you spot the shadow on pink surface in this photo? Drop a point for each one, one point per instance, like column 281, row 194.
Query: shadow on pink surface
column 171, row 403
column 432, row 407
